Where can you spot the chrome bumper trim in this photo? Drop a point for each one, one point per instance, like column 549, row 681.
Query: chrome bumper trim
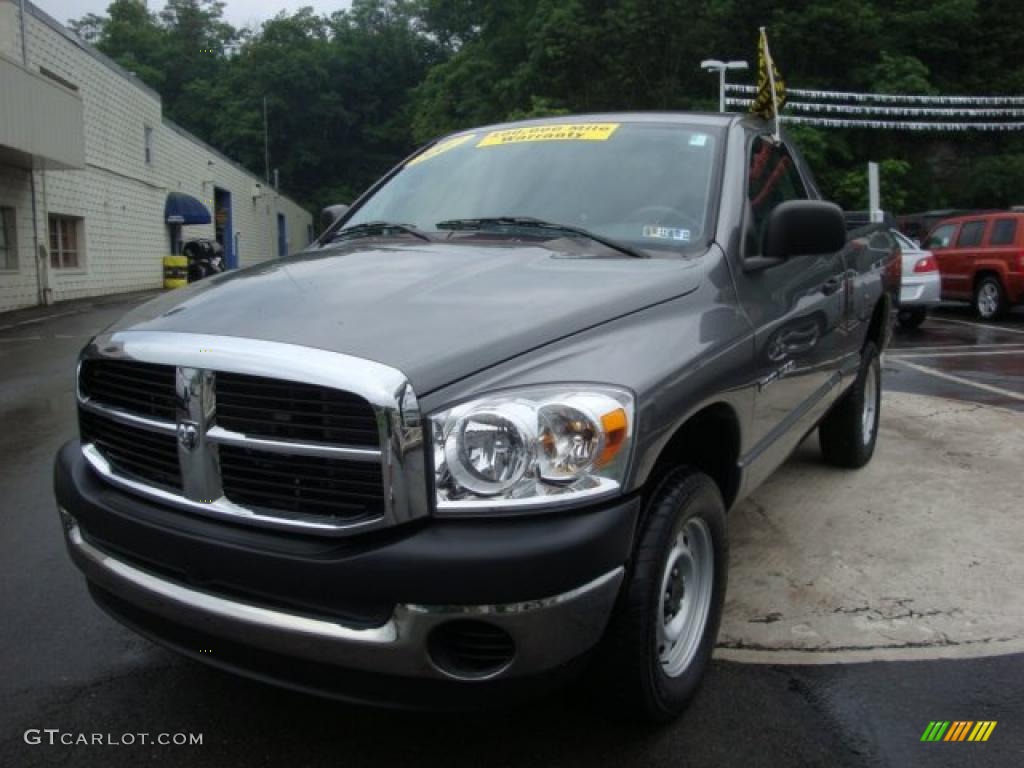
column 547, row 632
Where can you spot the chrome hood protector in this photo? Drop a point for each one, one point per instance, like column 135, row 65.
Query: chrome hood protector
column 437, row 312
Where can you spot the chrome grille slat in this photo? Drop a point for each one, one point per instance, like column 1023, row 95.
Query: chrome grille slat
column 130, row 419
column 227, row 437
column 331, row 454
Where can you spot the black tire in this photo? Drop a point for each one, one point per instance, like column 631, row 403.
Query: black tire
column 911, row 318
column 989, row 298
column 631, row 671
column 843, row 434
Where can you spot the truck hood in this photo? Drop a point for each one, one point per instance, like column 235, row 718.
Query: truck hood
column 435, row 311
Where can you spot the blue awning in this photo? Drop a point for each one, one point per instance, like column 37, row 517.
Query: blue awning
column 185, row 209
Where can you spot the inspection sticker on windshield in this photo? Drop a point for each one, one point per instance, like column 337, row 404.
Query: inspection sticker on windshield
column 698, row 140
column 573, row 132
column 667, row 233
column 440, row 148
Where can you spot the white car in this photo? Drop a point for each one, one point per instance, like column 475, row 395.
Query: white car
column 921, row 284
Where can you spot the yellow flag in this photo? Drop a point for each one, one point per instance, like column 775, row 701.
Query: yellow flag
column 771, row 88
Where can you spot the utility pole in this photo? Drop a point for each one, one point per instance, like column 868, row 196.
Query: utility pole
column 266, row 143
column 715, row 65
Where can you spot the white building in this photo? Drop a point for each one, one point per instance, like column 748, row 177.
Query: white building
column 90, row 171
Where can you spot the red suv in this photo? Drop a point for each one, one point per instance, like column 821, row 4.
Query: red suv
column 981, row 259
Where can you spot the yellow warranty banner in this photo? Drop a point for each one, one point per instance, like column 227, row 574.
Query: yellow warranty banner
column 441, row 147
column 567, row 132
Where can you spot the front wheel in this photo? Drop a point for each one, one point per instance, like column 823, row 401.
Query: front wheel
column 659, row 642
column 911, row 318
column 989, row 298
column 849, row 432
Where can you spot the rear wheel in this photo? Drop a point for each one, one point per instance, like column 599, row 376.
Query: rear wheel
column 911, row 318
column 659, row 642
column 849, row 433
column 989, row 298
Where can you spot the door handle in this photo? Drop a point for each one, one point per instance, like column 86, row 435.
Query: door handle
column 831, row 285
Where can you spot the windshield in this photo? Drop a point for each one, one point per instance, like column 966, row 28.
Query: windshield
column 647, row 185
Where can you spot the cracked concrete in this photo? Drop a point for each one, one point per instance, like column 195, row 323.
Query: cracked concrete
column 918, row 555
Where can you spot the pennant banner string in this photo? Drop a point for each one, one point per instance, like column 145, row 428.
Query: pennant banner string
column 893, row 98
column 853, row 109
column 900, row 125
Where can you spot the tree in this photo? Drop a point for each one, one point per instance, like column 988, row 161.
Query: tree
column 131, row 36
column 350, row 94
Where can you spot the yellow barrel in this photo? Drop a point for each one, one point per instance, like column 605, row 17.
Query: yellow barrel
column 175, row 271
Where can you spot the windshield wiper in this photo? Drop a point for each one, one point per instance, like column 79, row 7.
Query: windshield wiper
column 528, row 222
column 371, row 228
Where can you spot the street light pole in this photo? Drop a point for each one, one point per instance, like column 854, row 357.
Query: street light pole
column 716, row 65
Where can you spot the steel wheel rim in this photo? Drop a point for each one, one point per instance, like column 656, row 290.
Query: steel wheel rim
column 687, row 582
column 988, row 299
column 870, row 402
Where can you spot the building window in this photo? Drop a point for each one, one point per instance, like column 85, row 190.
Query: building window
column 65, row 242
column 147, row 138
column 8, row 239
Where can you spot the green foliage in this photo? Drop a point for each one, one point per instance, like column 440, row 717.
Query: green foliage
column 851, row 190
column 996, row 181
column 897, row 73
column 350, row 94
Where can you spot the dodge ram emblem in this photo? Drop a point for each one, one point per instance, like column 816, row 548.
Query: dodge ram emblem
column 188, row 435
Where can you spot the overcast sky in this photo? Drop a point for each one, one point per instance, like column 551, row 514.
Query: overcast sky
column 239, row 13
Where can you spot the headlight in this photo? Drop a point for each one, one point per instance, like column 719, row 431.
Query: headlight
column 531, row 447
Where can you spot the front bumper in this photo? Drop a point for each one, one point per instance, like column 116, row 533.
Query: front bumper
column 922, row 290
column 167, row 573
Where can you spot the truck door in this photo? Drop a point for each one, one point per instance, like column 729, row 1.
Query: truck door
column 797, row 309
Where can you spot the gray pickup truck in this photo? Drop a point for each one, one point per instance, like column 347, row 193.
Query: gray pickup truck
column 483, row 434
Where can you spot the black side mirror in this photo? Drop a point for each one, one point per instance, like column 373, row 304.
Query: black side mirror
column 802, row 228
column 331, row 214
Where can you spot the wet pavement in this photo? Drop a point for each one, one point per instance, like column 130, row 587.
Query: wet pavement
column 67, row 666
column 955, row 355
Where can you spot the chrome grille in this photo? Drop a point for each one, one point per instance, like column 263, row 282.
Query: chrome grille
column 199, row 422
column 292, row 410
column 141, row 388
column 136, row 453
column 301, row 484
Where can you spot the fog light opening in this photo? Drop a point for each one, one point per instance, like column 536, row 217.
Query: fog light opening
column 470, row 650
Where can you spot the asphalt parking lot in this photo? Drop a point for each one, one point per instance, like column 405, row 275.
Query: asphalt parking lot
column 860, row 609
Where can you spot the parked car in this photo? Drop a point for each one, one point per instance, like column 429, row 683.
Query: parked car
column 981, row 260
column 918, row 225
column 920, row 286
column 483, row 434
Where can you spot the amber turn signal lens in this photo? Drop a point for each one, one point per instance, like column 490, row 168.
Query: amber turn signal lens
column 615, row 431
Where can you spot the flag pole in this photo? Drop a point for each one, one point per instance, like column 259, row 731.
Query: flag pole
column 770, row 66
